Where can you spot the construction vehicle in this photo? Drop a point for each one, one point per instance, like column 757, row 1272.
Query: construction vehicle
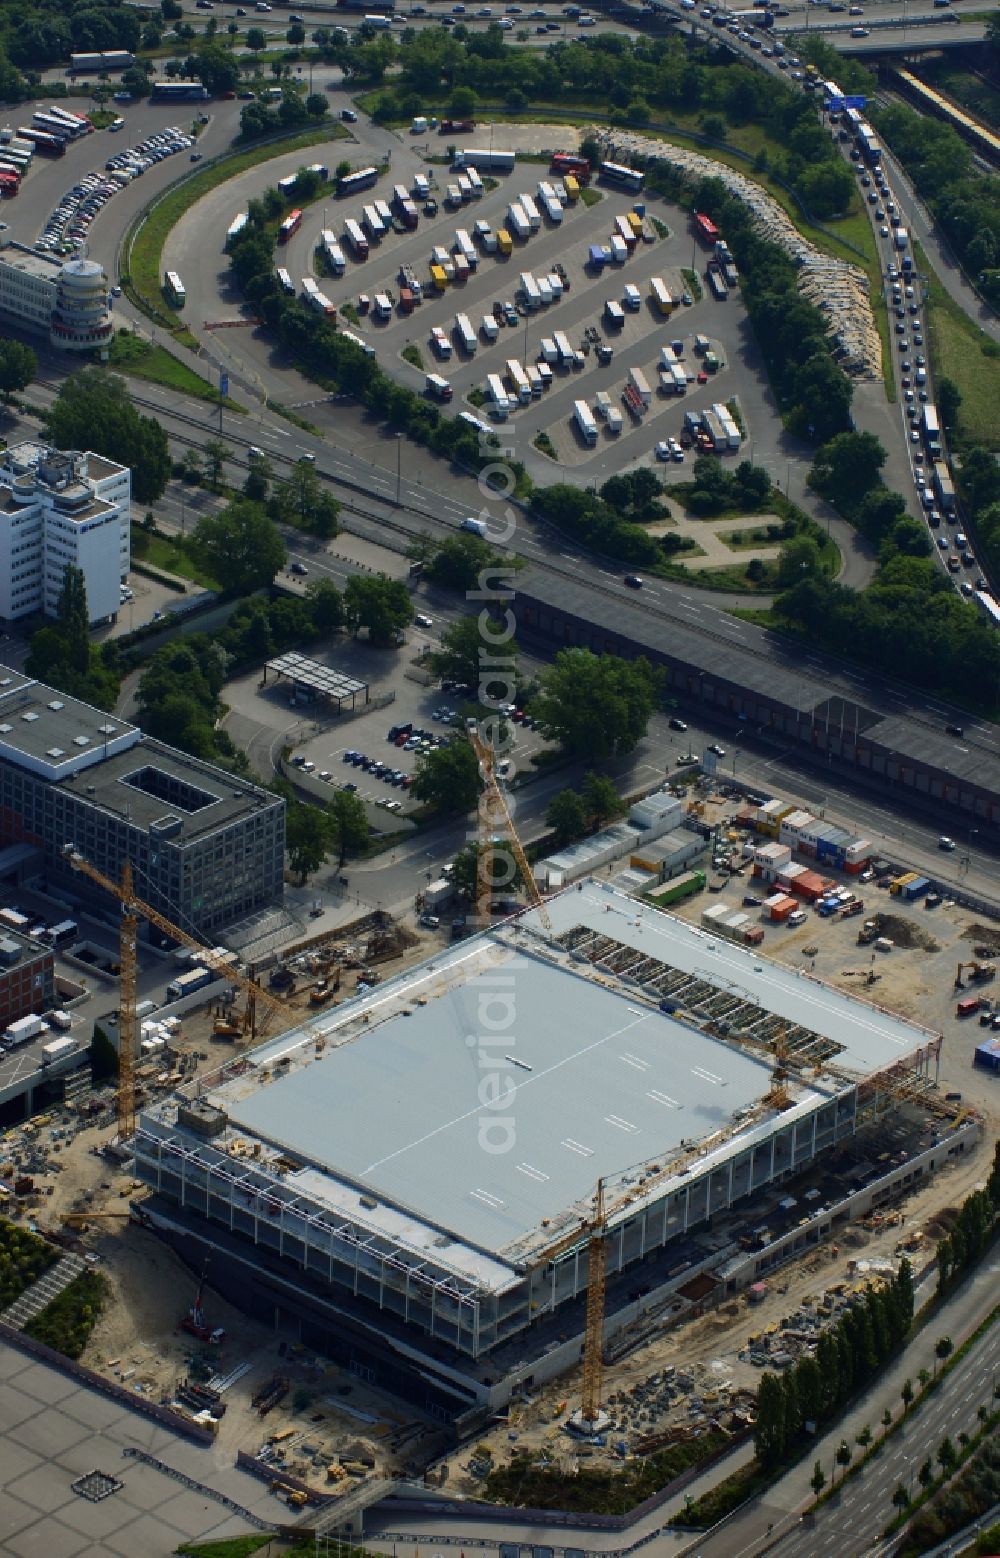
column 194, row 1321
column 324, row 990
column 981, row 973
column 132, row 909
column 226, row 1028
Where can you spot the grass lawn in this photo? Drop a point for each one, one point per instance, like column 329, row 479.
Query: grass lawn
column 131, row 354
column 172, row 556
column 966, row 355
column 143, row 247
column 589, row 196
column 413, row 355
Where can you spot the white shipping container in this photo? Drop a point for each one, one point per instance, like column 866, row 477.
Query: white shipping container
column 23, row 1030
column 640, row 384
column 619, row 250
column 59, row 1049
column 544, row 291
column 555, row 285
column 632, row 299
column 584, row 418
column 489, row 327
column 548, row 351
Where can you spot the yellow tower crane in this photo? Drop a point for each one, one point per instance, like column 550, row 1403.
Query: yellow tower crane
column 134, row 908
column 495, row 813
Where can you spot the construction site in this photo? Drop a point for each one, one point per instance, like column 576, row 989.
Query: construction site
column 369, row 1207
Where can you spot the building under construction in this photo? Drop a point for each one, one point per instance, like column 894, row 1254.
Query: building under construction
column 409, row 1180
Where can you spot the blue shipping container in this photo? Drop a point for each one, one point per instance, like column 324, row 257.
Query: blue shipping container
column 917, row 889
column 597, row 256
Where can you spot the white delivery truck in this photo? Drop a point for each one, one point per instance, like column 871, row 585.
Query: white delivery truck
column 531, row 212
column 440, row 343
column 640, row 384
column 59, row 1049
column 519, row 381
column 632, row 299
column 567, row 355
column 529, row 291
column 465, row 334
column 464, row 245
column 517, row 222
column 584, row 419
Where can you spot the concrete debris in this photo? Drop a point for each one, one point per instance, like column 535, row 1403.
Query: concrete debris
column 839, row 289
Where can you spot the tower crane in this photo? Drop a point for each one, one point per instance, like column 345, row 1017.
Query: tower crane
column 497, row 811
column 595, row 1230
column 132, row 909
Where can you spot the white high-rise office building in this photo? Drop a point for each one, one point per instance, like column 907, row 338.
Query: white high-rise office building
column 56, row 509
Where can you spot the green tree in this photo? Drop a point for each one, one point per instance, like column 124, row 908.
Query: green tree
column 944, row 1263
column 326, row 605
column 309, row 835
column 463, row 103
column 73, row 618
column 216, row 454
column 378, row 603
column 93, row 411
column 448, row 778
column 798, row 559
column 316, row 105
column 948, row 394
column 566, row 817
column 925, row 1476
column 818, row 1480
column 864, row 1438
column 599, row 705
column 18, row 367
column 886, row 1421
column 769, row 1435
column 459, row 562
column 601, row 800
column 351, row 823
column 300, row 500
column 190, row 467
column 846, row 468
column 216, row 68
column 947, row 1456
column 103, row 1057
column 466, row 643
column 240, row 546
column 943, row 1349
column 901, row 1497
column 259, row 477
column 256, row 39
column 907, row 1394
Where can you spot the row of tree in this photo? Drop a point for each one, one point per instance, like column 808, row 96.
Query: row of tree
column 968, row 1241
column 847, row 1356
column 638, row 79
column 314, row 833
column 61, row 652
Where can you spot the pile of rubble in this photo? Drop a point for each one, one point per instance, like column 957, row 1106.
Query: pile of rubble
column 840, row 290
column 678, row 1404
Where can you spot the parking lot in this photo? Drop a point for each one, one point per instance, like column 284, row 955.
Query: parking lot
column 579, row 313
column 263, row 723
column 65, row 231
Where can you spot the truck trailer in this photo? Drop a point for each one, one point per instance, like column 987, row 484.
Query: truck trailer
column 584, row 419
column 484, row 160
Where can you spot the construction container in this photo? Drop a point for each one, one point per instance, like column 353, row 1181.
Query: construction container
column 675, row 891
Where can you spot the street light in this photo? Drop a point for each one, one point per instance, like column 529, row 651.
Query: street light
column 399, row 467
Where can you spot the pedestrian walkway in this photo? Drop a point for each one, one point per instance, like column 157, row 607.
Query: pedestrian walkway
column 41, row 1292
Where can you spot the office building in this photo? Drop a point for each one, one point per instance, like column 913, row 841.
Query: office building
column 207, row 848
column 58, row 509
column 27, row 976
column 65, row 300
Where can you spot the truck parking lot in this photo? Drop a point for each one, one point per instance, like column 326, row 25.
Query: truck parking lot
column 605, row 321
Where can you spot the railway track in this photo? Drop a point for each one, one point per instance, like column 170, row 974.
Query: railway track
column 340, row 477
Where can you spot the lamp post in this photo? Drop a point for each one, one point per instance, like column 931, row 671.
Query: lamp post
column 399, row 468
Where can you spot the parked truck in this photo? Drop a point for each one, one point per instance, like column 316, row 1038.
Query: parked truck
column 519, row 381
column 372, row 223
column 531, row 211
column 718, row 286
column 517, row 221
column 23, row 1030
column 187, row 984
column 529, row 291
column 637, row 379
column 355, row 238
column 59, row 1049
column 567, row 355
column 505, row 242
column 464, row 245
column 465, row 334
column 584, row 419
column 484, row 160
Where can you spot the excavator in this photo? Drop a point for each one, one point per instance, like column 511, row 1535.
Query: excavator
column 981, row 973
